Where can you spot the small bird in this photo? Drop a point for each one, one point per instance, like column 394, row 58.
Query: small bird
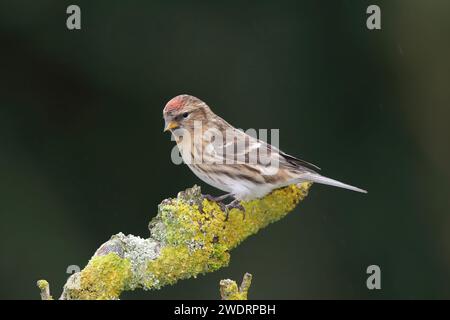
column 231, row 160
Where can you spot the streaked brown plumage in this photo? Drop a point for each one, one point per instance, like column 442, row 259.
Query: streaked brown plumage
column 234, row 162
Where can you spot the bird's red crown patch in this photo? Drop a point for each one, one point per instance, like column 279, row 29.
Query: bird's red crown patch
column 175, row 103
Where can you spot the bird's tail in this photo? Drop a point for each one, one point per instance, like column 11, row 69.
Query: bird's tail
column 315, row 177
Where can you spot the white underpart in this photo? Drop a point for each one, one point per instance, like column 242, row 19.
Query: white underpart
column 241, row 189
column 247, row 190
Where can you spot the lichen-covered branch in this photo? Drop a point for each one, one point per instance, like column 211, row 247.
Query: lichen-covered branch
column 229, row 289
column 189, row 236
column 45, row 290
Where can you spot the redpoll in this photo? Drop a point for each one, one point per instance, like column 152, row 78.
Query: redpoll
column 231, row 160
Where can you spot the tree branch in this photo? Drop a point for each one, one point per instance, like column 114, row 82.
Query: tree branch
column 229, row 289
column 189, row 236
column 45, row 290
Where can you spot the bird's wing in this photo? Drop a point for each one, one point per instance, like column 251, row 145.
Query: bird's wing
column 298, row 162
column 241, row 148
column 236, row 147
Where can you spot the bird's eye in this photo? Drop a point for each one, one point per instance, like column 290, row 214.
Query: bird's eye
column 185, row 115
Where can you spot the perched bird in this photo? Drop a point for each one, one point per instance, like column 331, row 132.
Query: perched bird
column 231, row 160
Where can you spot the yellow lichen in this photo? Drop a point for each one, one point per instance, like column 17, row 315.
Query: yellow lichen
column 42, row 284
column 177, row 263
column 104, row 278
column 198, row 241
column 261, row 212
column 229, row 289
column 45, row 289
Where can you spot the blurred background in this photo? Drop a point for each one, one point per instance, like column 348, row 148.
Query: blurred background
column 83, row 156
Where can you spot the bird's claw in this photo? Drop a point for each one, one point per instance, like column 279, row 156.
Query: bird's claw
column 235, row 204
column 217, row 200
column 226, row 208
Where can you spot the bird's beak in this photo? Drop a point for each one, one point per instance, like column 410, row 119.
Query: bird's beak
column 170, row 125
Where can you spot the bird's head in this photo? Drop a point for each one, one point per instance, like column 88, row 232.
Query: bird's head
column 183, row 111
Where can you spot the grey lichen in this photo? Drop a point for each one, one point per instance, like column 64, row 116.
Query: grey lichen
column 139, row 252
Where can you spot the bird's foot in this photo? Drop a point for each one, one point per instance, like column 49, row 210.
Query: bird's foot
column 218, row 200
column 226, row 208
column 235, row 204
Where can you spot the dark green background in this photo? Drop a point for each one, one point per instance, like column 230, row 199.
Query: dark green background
column 83, row 156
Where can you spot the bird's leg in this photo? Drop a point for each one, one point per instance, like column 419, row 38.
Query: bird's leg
column 218, row 198
column 235, row 204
